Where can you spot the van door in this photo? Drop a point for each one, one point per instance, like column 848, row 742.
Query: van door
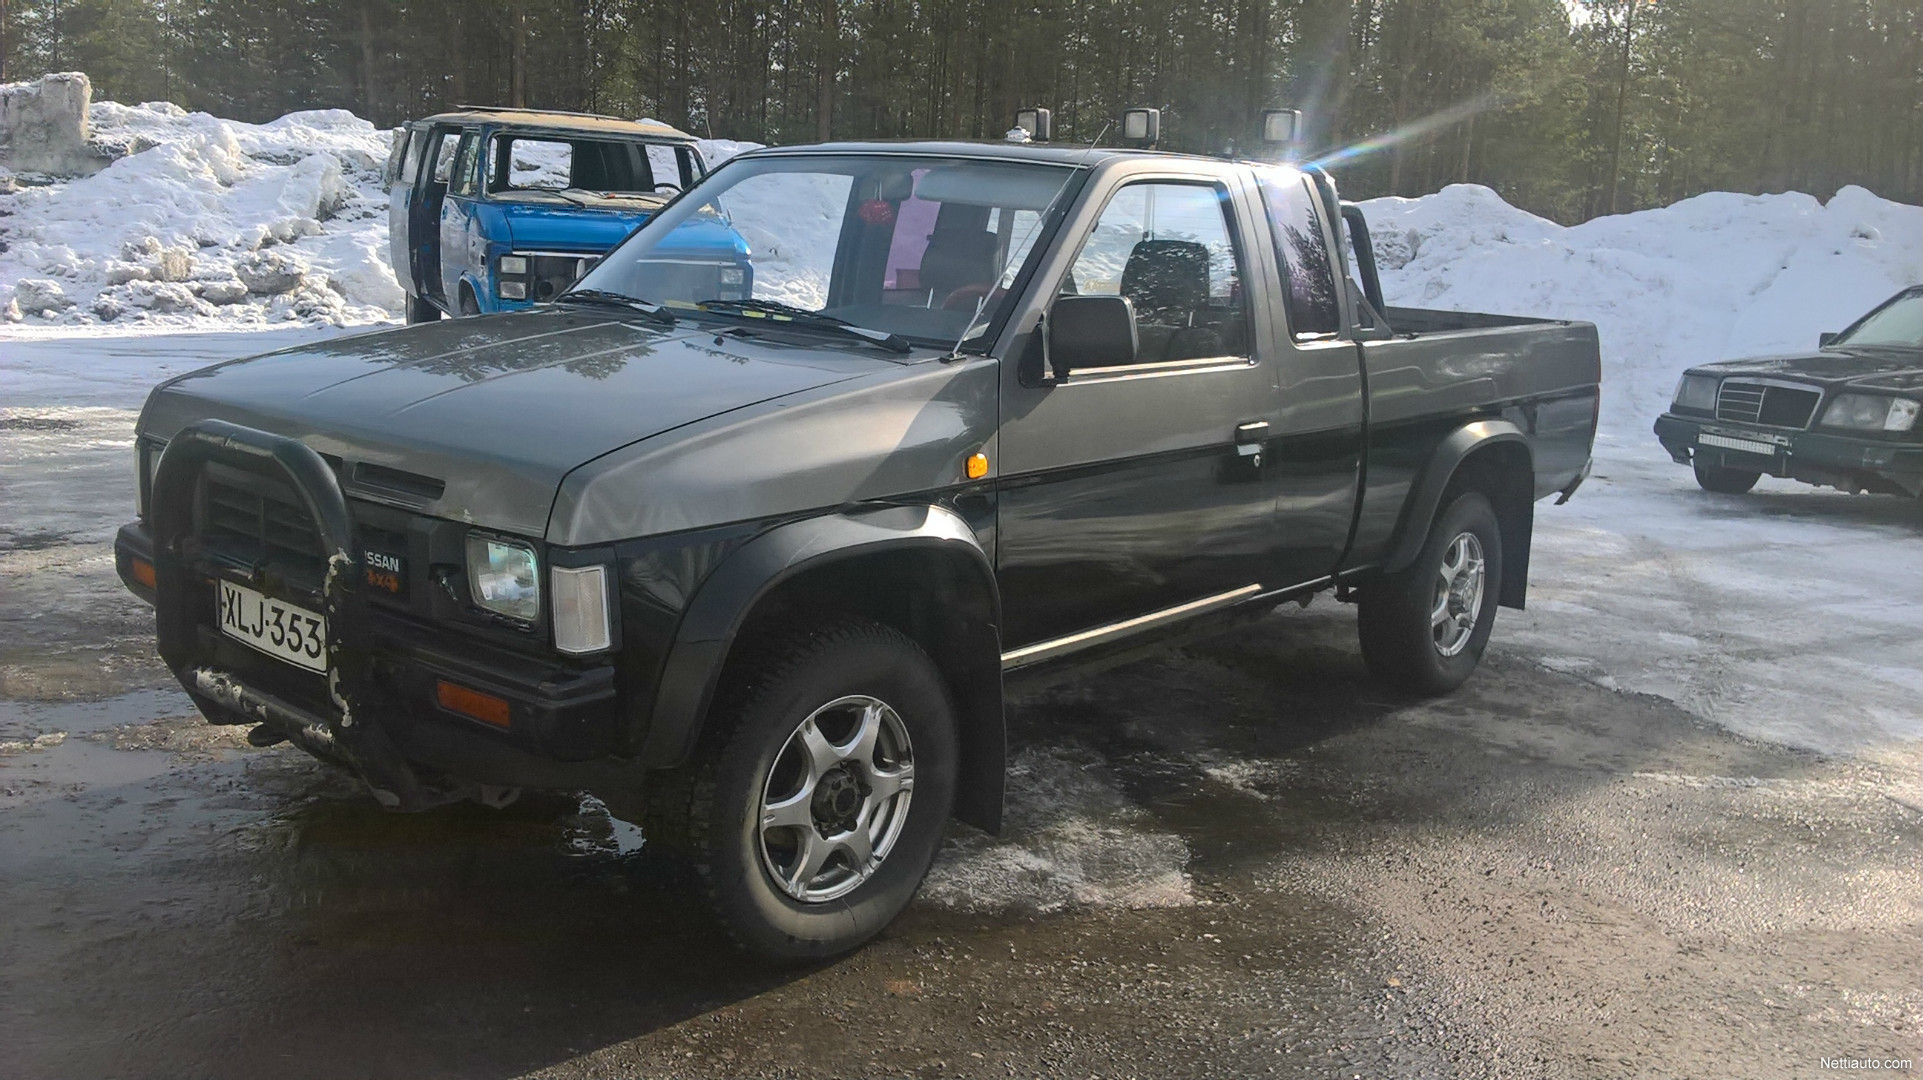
column 457, row 212
column 403, row 176
column 433, row 167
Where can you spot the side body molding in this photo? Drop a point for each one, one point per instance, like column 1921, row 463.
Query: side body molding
column 1426, row 501
column 959, row 628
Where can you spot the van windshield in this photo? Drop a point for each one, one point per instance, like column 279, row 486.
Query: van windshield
column 920, row 246
column 519, row 162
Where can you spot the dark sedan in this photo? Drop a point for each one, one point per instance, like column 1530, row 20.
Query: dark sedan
column 1843, row 416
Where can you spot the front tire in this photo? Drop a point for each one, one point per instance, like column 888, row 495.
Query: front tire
column 1424, row 628
column 819, row 796
column 1724, row 481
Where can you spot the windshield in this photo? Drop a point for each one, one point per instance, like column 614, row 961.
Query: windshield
column 547, row 163
column 1897, row 323
column 922, row 247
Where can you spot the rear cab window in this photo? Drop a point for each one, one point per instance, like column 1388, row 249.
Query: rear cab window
column 1302, row 252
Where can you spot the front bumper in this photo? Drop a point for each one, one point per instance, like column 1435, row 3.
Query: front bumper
column 377, row 710
column 1814, row 457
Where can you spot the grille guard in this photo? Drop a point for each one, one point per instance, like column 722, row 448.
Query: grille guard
column 354, row 730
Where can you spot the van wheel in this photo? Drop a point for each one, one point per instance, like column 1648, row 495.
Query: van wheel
column 1725, row 481
column 469, row 305
column 420, row 309
column 818, row 798
column 1424, row 628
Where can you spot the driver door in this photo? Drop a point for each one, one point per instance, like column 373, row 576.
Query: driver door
column 1128, row 494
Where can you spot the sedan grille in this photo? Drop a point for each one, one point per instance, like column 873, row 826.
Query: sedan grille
column 1767, row 404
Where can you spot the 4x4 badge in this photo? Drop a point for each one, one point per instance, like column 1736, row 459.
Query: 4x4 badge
column 381, row 570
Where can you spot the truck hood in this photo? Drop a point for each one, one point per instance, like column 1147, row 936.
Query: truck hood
column 1837, row 368
column 494, row 411
column 545, row 222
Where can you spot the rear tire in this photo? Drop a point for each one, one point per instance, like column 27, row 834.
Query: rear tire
column 1423, row 628
column 778, row 749
column 420, row 309
column 1725, row 481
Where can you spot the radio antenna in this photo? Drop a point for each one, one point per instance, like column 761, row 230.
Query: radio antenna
column 981, row 305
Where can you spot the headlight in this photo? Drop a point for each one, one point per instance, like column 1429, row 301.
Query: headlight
column 581, row 623
column 1870, row 412
column 514, row 264
column 731, row 275
column 513, row 290
column 1696, row 393
column 504, row 577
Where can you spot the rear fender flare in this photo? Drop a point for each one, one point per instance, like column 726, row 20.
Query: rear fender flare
column 727, row 600
column 1425, row 502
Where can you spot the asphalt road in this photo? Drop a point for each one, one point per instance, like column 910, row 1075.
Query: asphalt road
column 1242, row 859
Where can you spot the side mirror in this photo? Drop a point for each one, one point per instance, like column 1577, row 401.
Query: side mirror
column 1826, row 339
column 1091, row 332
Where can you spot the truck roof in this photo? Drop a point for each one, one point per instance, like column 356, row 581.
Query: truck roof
column 578, row 123
column 1055, row 153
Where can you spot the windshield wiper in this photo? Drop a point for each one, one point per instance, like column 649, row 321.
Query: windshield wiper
column 801, row 315
column 614, row 299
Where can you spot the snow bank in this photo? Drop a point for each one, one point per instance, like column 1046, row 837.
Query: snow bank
column 208, row 222
column 1710, row 278
column 204, row 223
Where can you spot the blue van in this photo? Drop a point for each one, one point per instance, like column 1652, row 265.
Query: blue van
column 498, row 209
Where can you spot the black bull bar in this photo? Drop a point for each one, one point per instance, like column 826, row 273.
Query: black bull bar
column 354, row 733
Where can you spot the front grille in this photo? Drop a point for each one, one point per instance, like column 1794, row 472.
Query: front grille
column 1766, row 403
column 251, row 519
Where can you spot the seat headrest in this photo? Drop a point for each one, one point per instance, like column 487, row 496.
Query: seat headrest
column 1163, row 274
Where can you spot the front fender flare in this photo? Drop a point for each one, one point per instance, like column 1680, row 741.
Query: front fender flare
column 1425, row 500
column 725, row 601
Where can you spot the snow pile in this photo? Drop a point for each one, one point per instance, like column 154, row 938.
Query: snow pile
column 1714, row 277
column 208, row 220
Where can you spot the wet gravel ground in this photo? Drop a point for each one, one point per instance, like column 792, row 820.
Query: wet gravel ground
column 1240, row 859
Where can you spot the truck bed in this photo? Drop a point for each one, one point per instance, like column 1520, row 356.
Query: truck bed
column 1408, row 320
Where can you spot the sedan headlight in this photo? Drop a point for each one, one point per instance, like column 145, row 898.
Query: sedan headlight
column 1697, row 393
column 1870, row 412
column 504, row 577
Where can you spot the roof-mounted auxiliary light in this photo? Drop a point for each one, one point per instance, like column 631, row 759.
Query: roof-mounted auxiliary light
column 1141, row 127
column 1039, row 125
column 1282, row 132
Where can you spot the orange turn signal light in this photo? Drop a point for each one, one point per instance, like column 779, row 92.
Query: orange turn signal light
column 977, row 465
column 486, row 708
column 142, row 571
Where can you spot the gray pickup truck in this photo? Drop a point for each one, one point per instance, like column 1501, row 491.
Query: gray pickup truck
column 756, row 571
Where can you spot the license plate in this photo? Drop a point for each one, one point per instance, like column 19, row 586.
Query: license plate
column 1748, row 446
column 275, row 627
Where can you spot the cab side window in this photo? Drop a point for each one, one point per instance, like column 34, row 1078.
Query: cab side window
column 1169, row 247
column 1310, row 295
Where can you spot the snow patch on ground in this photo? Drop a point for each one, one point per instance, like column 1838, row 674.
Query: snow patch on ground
column 1070, row 838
